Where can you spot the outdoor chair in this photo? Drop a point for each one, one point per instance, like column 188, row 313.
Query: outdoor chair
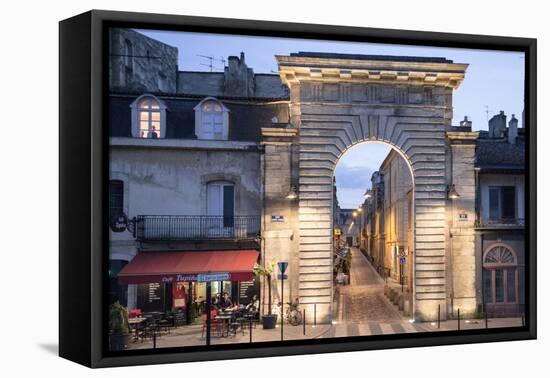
column 216, row 326
column 234, row 327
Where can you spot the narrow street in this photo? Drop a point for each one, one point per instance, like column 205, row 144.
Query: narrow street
column 361, row 307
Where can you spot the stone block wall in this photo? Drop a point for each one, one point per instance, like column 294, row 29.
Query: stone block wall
column 462, row 263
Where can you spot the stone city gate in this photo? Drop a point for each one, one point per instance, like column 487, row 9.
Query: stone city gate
column 337, row 101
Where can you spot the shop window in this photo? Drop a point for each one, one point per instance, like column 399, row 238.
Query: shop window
column 148, row 117
column 211, row 120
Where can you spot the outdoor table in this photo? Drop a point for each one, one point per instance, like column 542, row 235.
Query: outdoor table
column 225, row 318
column 135, row 322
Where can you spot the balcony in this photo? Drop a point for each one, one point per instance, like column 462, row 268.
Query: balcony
column 196, row 227
column 502, row 223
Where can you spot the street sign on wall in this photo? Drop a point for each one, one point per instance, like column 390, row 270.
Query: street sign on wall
column 277, row 218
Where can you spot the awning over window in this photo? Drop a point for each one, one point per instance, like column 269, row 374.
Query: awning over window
column 166, row 267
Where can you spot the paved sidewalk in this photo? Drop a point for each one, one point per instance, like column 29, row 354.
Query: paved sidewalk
column 192, row 335
column 361, row 309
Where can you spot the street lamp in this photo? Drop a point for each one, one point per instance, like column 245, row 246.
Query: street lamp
column 292, row 194
column 367, row 194
column 452, row 193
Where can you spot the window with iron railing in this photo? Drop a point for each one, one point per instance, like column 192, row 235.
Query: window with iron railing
column 502, row 208
column 196, row 227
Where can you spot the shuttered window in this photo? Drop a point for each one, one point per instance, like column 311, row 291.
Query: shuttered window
column 116, row 198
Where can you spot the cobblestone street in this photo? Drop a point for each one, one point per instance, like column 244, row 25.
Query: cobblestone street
column 361, row 307
column 363, row 300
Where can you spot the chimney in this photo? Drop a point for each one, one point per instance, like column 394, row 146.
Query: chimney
column 512, row 130
column 239, row 79
column 466, row 122
column 497, row 125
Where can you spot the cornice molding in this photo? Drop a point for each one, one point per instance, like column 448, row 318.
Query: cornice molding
column 293, row 70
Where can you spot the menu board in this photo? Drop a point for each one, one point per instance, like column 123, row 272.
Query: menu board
column 247, row 289
column 179, row 317
column 150, row 297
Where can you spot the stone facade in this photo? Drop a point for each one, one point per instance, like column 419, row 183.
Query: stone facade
column 500, row 218
column 406, row 104
column 461, row 282
column 141, row 64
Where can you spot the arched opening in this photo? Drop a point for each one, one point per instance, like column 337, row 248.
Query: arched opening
column 373, row 238
column 500, row 280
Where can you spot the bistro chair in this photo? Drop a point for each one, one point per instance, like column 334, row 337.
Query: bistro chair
column 237, row 323
column 164, row 323
column 216, row 326
column 148, row 327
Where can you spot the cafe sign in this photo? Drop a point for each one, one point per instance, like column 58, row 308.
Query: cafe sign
column 209, row 277
column 201, row 277
column 119, row 223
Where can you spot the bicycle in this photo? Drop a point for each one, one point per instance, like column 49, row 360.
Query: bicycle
column 293, row 316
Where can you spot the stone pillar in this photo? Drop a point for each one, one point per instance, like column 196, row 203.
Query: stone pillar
column 279, row 213
column 462, row 264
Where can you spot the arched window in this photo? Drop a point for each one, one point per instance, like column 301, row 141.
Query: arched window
column 148, row 117
column 211, row 120
column 500, row 276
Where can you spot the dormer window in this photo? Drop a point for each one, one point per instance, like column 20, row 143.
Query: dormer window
column 211, row 120
column 148, row 118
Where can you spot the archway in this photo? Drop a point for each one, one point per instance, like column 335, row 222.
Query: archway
column 338, row 101
column 374, row 231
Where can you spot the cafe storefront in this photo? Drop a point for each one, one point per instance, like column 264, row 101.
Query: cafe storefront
column 175, row 281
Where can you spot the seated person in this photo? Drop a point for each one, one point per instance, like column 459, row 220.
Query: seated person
column 254, row 304
column 213, row 309
column 225, row 302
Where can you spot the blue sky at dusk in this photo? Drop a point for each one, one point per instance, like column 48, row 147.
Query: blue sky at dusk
column 494, row 81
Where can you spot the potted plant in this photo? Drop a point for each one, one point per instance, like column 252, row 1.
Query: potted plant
column 269, row 320
column 119, row 330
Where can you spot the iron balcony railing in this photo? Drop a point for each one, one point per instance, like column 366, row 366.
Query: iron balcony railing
column 196, row 227
column 502, row 222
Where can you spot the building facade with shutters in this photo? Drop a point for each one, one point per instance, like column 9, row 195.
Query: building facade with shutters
column 500, row 231
column 185, row 163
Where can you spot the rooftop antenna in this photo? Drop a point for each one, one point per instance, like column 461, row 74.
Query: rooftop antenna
column 487, row 111
column 211, row 60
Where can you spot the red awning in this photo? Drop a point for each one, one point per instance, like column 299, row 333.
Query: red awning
column 165, row 267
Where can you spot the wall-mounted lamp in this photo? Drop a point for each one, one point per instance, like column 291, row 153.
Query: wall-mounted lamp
column 292, row 194
column 360, row 209
column 452, row 193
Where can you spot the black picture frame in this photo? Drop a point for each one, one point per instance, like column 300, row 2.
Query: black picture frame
column 84, row 172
